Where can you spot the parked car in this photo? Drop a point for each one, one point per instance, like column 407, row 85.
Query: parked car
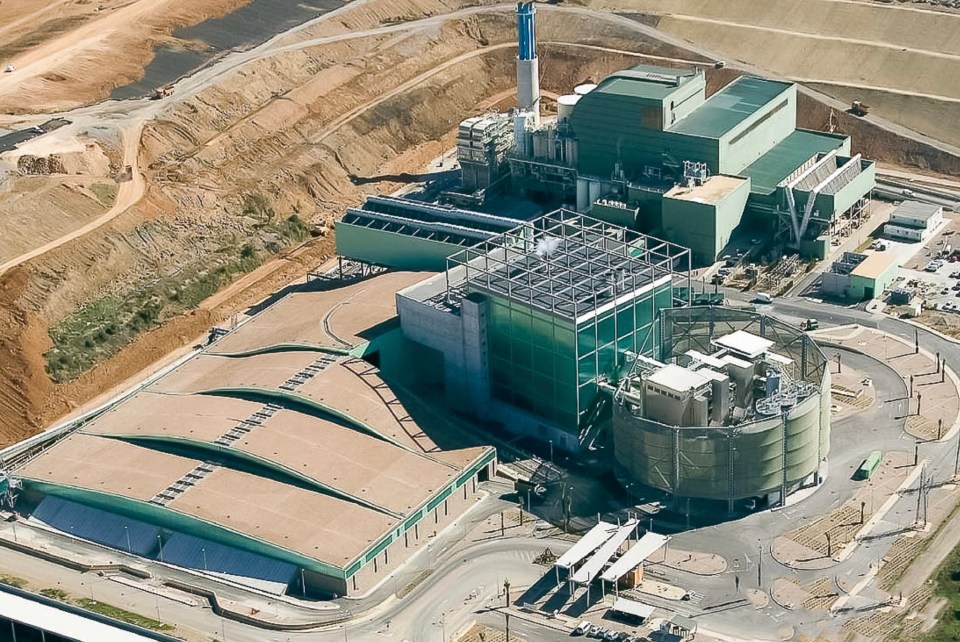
column 762, row 297
column 582, row 628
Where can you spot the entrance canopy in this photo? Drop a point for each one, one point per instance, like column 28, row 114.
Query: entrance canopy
column 637, row 554
column 629, row 607
column 586, row 545
column 586, row 573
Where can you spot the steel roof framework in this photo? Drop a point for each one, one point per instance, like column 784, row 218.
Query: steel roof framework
column 566, row 264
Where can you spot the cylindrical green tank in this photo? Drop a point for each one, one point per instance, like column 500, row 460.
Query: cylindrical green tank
column 764, row 456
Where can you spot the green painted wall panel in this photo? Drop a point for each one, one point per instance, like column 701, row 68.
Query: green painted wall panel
column 393, row 250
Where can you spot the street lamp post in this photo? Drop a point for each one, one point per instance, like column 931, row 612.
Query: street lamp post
column 160, row 544
column 203, row 552
column 126, row 532
column 759, row 564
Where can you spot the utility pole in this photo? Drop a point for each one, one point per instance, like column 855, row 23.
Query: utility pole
column 939, row 428
column 919, row 397
column 919, row 498
column 863, row 505
column 829, row 545
column 911, row 386
column 916, row 342
column 916, row 453
column 502, row 527
column 506, row 611
column 838, row 363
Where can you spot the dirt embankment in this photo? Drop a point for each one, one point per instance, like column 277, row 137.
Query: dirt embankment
column 73, row 53
column 24, row 384
column 291, row 128
column 903, row 59
column 278, row 137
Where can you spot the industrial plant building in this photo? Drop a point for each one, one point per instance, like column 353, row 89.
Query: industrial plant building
column 527, row 324
column 278, row 458
column 860, row 276
column 734, row 406
column 645, row 149
column 914, row 221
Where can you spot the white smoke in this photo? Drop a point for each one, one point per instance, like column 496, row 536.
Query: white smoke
column 547, row 246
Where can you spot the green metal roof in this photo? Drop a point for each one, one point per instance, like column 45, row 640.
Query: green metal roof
column 730, row 106
column 645, row 81
column 789, row 154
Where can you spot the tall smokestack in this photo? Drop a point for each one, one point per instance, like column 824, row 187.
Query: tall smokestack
column 528, row 67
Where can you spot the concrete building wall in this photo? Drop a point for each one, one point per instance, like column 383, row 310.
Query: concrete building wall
column 757, row 135
column 862, row 287
column 519, row 422
column 445, row 332
column 705, row 228
column 391, row 559
column 624, row 216
column 833, row 284
column 398, row 251
column 906, row 233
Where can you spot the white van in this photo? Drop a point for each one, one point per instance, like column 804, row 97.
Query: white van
column 763, row 297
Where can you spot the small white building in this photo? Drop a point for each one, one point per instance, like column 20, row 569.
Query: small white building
column 914, row 221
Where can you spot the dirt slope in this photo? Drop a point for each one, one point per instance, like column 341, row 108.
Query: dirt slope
column 72, row 53
column 225, row 163
column 907, row 51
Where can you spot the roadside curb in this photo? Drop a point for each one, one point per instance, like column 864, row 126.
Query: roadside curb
column 829, row 341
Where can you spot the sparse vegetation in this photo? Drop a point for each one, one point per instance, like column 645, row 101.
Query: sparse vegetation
column 55, row 594
column 11, row 580
column 947, row 584
column 101, row 328
column 123, row 615
column 106, row 193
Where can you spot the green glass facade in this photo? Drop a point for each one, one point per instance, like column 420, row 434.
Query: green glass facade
column 551, row 366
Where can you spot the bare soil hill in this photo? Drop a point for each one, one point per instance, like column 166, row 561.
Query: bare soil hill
column 243, row 169
column 905, row 57
column 226, row 169
column 69, row 53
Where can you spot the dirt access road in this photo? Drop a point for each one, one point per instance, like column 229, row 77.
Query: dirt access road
column 128, row 193
column 69, row 53
column 214, row 157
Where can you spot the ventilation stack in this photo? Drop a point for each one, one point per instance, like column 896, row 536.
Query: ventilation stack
column 528, row 67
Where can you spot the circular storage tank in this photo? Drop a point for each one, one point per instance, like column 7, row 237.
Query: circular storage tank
column 729, row 462
column 584, row 89
column 565, row 105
